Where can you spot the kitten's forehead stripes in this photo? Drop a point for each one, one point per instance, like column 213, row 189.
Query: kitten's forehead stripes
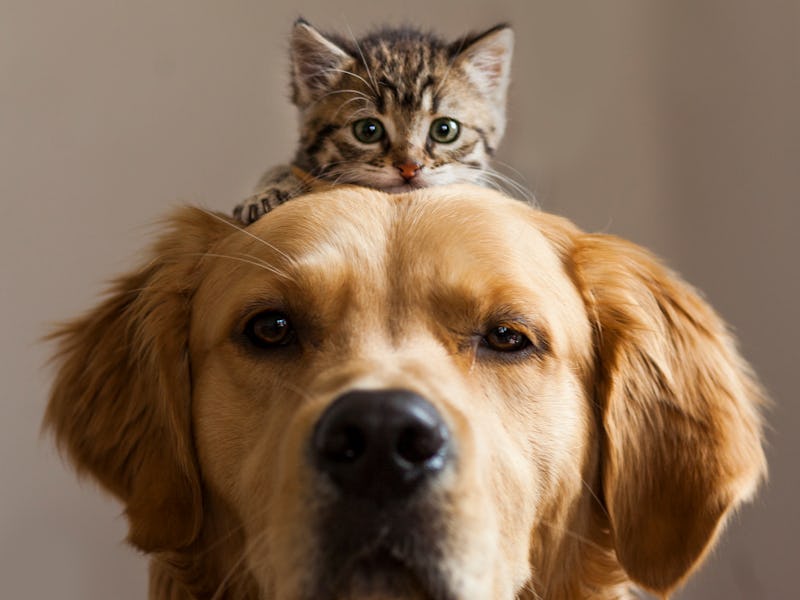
column 400, row 61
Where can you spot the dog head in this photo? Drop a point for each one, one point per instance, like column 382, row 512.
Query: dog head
column 440, row 395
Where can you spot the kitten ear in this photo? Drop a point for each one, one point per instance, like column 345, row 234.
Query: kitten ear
column 486, row 59
column 315, row 63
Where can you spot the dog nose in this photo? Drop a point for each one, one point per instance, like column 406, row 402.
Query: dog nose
column 408, row 170
column 381, row 444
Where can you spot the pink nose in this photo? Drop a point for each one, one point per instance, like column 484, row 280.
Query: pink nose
column 408, row 170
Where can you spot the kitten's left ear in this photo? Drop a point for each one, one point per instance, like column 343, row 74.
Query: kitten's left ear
column 316, row 62
column 486, row 59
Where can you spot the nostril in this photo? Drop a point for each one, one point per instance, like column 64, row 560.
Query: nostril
column 343, row 445
column 420, row 442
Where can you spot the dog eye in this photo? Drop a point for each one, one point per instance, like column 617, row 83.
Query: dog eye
column 506, row 339
column 269, row 329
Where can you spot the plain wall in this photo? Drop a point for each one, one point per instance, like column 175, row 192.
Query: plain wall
column 674, row 124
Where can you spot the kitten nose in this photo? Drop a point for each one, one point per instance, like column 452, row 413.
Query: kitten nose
column 408, row 170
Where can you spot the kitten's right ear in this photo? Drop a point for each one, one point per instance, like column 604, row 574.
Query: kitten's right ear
column 316, row 61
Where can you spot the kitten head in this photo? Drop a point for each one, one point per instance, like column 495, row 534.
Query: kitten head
column 399, row 109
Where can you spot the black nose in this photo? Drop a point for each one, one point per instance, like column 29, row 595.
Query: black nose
column 381, row 444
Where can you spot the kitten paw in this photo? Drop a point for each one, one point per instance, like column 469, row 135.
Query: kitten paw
column 257, row 205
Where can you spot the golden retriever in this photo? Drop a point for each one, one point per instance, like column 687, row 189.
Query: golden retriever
column 442, row 395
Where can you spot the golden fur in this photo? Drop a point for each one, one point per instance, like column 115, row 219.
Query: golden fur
column 610, row 457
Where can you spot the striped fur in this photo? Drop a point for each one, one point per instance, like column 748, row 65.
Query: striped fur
column 405, row 79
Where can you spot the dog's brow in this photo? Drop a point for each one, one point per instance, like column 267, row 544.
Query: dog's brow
column 249, row 260
column 244, row 231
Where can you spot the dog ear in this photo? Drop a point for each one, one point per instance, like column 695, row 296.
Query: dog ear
column 120, row 404
column 679, row 410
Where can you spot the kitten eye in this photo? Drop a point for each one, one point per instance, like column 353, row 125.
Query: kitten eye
column 269, row 329
column 444, row 130
column 506, row 339
column 368, row 131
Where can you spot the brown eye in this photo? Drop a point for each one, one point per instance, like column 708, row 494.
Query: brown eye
column 368, row 131
column 269, row 329
column 505, row 339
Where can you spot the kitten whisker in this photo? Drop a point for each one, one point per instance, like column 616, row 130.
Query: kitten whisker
column 356, row 75
column 344, row 104
column 505, row 165
column 529, row 195
column 256, row 263
column 361, row 114
column 347, row 91
column 358, row 96
column 374, row 85
column 504, row 183
column 327, row 170
column 241, row 229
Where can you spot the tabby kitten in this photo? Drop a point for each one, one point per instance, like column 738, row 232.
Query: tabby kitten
column 395, row 110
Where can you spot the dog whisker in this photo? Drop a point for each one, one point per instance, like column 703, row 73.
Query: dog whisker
column 298, row 390
column 529, row 587
column 237, row 570
column 244, row 231
column 259, row 264
column 594, row 496
column 572, row 534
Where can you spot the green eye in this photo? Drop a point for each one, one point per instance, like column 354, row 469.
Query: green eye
column 444, row 130
column 368, row 131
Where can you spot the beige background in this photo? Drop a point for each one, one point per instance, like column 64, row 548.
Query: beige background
column 673, row 123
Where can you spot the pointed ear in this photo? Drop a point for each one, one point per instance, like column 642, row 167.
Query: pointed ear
column 486, row 59
column 316, row 62
column 680, row 412
column 120, row 405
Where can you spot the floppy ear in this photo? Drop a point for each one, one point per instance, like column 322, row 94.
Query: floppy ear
column 680, row 412
column 120, row 405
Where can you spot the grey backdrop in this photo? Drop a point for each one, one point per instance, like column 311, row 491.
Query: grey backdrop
column 672, row 123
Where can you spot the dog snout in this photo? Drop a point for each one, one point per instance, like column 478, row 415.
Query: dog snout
column 381, row 444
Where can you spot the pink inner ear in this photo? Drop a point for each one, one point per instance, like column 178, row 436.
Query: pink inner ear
column 489, row 58
column 316, row 60
column 489, row 65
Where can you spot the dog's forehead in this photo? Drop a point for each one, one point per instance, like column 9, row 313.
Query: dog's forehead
column 459, row 225
column 461, row 241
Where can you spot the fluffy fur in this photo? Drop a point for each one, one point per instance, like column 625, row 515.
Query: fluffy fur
column 404, row 82
column 608, row 453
